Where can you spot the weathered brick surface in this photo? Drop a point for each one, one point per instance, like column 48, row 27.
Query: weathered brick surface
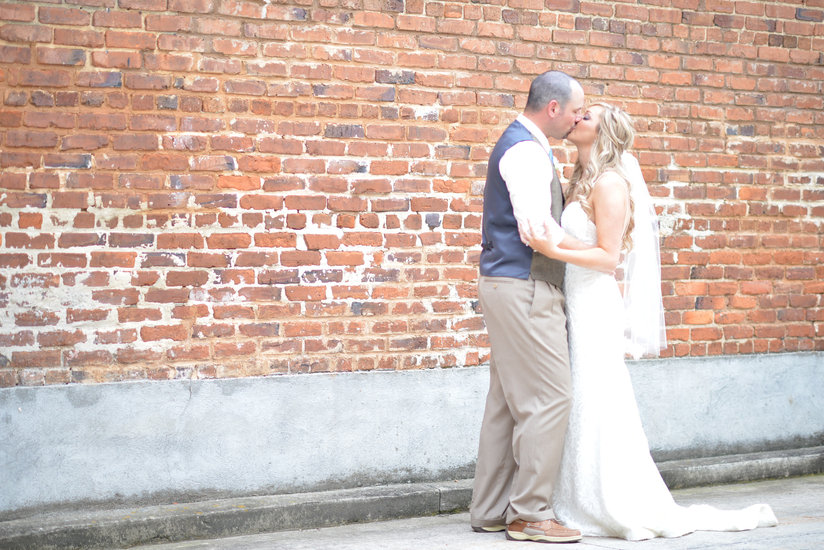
column 205, row 188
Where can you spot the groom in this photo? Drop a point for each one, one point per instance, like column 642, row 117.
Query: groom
column 528, row 404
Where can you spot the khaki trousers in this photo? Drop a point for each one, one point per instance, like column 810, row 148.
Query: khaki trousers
column 527, row 408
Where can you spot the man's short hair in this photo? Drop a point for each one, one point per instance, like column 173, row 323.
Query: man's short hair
column 548, row 86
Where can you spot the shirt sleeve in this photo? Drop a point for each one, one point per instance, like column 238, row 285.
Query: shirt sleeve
column 527, row 171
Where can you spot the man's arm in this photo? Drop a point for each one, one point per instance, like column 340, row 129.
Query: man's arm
column 524, row 168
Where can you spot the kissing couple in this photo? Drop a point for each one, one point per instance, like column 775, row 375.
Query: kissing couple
column 562, row 451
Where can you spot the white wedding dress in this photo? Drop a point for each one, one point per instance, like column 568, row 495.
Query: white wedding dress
column 608, row 484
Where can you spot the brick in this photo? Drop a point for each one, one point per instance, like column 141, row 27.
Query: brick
column 112, row 259
column 245, row 183
column 61, row 56
column 755, row 288
column 26, row 33
column 38, row 318
column 117, row 60
column 136, row 315
column 44, row 181
column 168, row 332
column 46, row 120
column 157, row 295
column 345, row 258
column 17, row 12
column 67, row 160
column 36, row 359
column 113, row 121
column 130, row 240
column 60, row 338
column 31, row 139
column 234, row 349
column 297, row 202
column 131, row 355
column 229, row 240
column 76, row 37
column 24, row 240
column 121, row 336
column 13, row 54
column 117, row 19
column 293, row 258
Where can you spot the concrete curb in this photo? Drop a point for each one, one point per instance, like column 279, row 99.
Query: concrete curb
column 679, row 474
column 126, row 527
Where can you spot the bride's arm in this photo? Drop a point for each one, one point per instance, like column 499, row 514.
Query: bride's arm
column 550, row 232
column 609, row 201
column 571, row 243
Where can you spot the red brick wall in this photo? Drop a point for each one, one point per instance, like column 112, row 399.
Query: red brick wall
column 207, row 188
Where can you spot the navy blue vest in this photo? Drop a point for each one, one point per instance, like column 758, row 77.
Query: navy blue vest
column 503, row 254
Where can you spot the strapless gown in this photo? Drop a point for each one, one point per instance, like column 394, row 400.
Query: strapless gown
column 608, row 484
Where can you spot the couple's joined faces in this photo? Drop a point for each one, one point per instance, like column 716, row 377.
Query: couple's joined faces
column 586, row 130
column 563, row 119
column 571, row 114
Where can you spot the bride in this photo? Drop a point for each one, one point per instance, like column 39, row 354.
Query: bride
column 608, row 484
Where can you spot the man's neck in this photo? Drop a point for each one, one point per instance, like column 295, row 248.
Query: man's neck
column 536, row 120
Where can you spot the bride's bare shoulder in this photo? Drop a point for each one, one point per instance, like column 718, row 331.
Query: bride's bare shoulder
column 609, row 194
column 610, row 182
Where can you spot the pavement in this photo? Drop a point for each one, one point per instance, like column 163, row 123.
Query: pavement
column 798, row 503
column 432, row 516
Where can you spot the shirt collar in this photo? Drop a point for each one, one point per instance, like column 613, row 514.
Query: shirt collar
column 535, row 131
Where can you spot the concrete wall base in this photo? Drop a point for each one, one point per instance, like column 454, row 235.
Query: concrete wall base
column 148, row 443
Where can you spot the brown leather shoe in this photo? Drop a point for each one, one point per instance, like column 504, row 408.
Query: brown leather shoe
column 541, row 531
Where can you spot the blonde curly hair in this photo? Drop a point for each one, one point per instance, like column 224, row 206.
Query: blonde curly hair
column 614, row 136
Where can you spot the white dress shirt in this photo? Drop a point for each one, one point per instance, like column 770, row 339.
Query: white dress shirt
column 525, row 167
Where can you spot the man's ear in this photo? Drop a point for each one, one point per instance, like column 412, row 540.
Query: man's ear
column 553, row 108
